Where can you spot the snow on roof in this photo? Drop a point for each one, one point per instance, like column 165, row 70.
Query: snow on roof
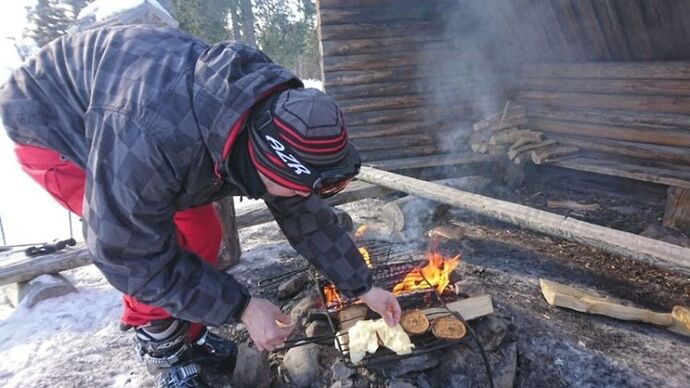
column 103, row 9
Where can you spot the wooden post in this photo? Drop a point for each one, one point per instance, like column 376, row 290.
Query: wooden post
column 230, row 250
column 677, row 214
column 667, row 256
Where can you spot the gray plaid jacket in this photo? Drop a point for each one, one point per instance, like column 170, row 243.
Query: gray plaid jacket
column 146, row 112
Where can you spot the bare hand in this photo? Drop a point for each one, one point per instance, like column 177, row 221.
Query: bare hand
column 384, row 303
column 268, row 326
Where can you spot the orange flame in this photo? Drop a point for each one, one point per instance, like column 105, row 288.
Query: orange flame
column 331, row 295
column 436, row 272
column 365, row 256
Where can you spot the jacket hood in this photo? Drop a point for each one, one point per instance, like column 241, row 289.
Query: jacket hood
column 229, row 78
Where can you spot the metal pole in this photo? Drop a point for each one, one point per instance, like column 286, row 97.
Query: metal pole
column 69, row 219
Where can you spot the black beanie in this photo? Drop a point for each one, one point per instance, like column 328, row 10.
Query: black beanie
column 298, row 134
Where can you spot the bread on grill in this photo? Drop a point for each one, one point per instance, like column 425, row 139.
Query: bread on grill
column 448, row 327
column 414, row 322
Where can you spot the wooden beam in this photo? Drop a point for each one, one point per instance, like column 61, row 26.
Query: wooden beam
column 626, row 70
column 402, row 152
column 663, row 87
column 663, row 255
column 670, row 137
column 662, row 104
column 373, row 46
column 427, row 128
column 653, row 152
column 623, row 118
column 587, row 302
column 663, row 174
column 20, row 268
column 377, row 30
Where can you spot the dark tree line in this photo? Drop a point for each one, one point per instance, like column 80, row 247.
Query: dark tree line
column 284, row 29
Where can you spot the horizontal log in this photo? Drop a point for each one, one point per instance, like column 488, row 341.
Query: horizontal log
column 548, row 154
column 373, row 46
column 678, row 138
column 376, row 30
column 656, row 253
column 458, row 129
column 401, row 115
column 628, row 70
column 516, row 151
column 20, row 268
column 378, row 103
column 634, row 150
column 404, row 152
column 388, row 89
column 510, row 136
column 610, row 86
column 663, row 104
column 616, row 117
column 462, row 158
column 412, row 57
column 366, row 76
column 368, row 104
column 660, row 173
column 381, row 143
column 394, row 12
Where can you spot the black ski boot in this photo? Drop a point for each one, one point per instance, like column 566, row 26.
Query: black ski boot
column 214, row 351
column 175, row 360
column 164, row 347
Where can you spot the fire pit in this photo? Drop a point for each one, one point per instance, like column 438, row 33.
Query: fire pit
column 423, row 285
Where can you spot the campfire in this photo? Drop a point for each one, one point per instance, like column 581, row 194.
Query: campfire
column 423, row 282
column 431, row 274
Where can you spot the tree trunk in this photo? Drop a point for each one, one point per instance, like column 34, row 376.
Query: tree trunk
column 247, row 23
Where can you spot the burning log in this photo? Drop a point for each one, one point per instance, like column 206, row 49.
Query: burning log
column 411, row 214
column 548, row 154
column 670, row 257
column 678, row 321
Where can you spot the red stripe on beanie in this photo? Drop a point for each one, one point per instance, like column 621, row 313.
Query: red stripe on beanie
column 313, row 150
column 342, row 137
column 275, row 178
column 275, row 160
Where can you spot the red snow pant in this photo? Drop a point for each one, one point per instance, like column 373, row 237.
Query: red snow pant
column 198, row 229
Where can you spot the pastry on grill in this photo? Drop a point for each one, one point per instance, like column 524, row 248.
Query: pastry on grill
column 448, row 327
column 414, row 322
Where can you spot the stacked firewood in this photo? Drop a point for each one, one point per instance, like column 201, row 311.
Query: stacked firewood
column 507, row 133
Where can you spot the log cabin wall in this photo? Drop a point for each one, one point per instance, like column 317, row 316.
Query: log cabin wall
column 410, row 75
column 613, row 74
